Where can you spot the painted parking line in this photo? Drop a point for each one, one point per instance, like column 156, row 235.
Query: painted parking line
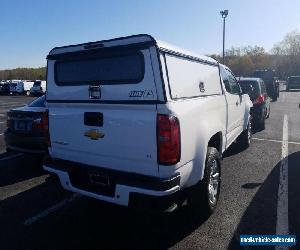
column 20, row 187
column 1, row 134
column 279, row 141
column 49, row 210
column 2, row 122
column 9, row 103
column 13, row 104
column 10, row 157
column 282, row 223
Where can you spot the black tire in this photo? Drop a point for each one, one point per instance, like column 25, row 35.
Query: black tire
column 269, row 111
column 244, row 140
column 262, row 125
column 204, row 196
column 274, row 98
column 9, row 150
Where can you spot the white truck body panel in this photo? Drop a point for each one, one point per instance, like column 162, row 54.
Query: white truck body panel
column 175, row 82
column 44, row 86
column 27, row 85
column 187, row 76
column 126, row 128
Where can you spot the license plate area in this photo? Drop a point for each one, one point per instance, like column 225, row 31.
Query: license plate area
column 98, row 179
column 92, row 181
column 22, row 125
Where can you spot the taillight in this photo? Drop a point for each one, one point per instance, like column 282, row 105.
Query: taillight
column 42, row 124
column 168, row 139
column 45, row 122
column 259, row 100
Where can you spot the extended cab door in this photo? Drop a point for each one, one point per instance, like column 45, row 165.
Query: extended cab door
column 235, row 104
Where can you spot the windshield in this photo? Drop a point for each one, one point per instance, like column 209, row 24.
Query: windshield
column 108, row 70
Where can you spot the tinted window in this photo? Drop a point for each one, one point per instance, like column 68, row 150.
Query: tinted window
column 39, row 102
column 116, row 69
column 37, row 83
column 263, row 87
column 230, row 82
column 264, row 74
column 250, row 87
column 225, row 79
column 294, row 79
column 235, row 88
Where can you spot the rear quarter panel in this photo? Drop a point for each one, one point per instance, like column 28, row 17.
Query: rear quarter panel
column 200, row 118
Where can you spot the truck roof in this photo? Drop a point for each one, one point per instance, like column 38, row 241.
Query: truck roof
column 131, row 40
column 249, row 78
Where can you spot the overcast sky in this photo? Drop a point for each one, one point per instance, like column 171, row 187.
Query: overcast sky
column 29, row 29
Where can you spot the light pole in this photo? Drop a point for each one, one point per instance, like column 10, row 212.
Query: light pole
column 224, row 14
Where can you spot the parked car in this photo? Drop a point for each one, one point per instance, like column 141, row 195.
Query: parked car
column 293, row 83
column 271, row 81
column 27, row 86
column 38, row 88
column 16, row 87
column 27, row 128
column 142, row 123
column 261, row 109
column 4, row 88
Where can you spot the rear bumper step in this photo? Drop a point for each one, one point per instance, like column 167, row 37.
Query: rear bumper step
column 123, row 188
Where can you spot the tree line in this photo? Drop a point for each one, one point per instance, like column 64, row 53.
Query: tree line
column 284, row 57
column 23, row 74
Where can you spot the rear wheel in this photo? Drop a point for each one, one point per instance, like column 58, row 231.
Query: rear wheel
column 262, row 124
column 269, row 111
column 204, row 196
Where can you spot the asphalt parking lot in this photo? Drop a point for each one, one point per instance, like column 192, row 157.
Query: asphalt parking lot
column 35, row 213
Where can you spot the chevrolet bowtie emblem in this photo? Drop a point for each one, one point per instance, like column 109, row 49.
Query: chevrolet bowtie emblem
column 94, row 134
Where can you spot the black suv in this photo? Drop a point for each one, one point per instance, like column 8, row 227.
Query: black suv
column 293, row 83
column 270, row 80
column 257, row 92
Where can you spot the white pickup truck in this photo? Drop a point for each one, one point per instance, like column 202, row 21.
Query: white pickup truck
column 137, row 122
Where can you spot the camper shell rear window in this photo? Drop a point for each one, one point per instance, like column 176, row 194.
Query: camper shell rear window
column 100, row 68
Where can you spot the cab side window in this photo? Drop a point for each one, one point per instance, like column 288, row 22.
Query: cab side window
column 263, row 87
column 225, row 79
column 234, row 86
column 231, row 84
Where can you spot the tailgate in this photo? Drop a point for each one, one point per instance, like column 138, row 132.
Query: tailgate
column 123, row 136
